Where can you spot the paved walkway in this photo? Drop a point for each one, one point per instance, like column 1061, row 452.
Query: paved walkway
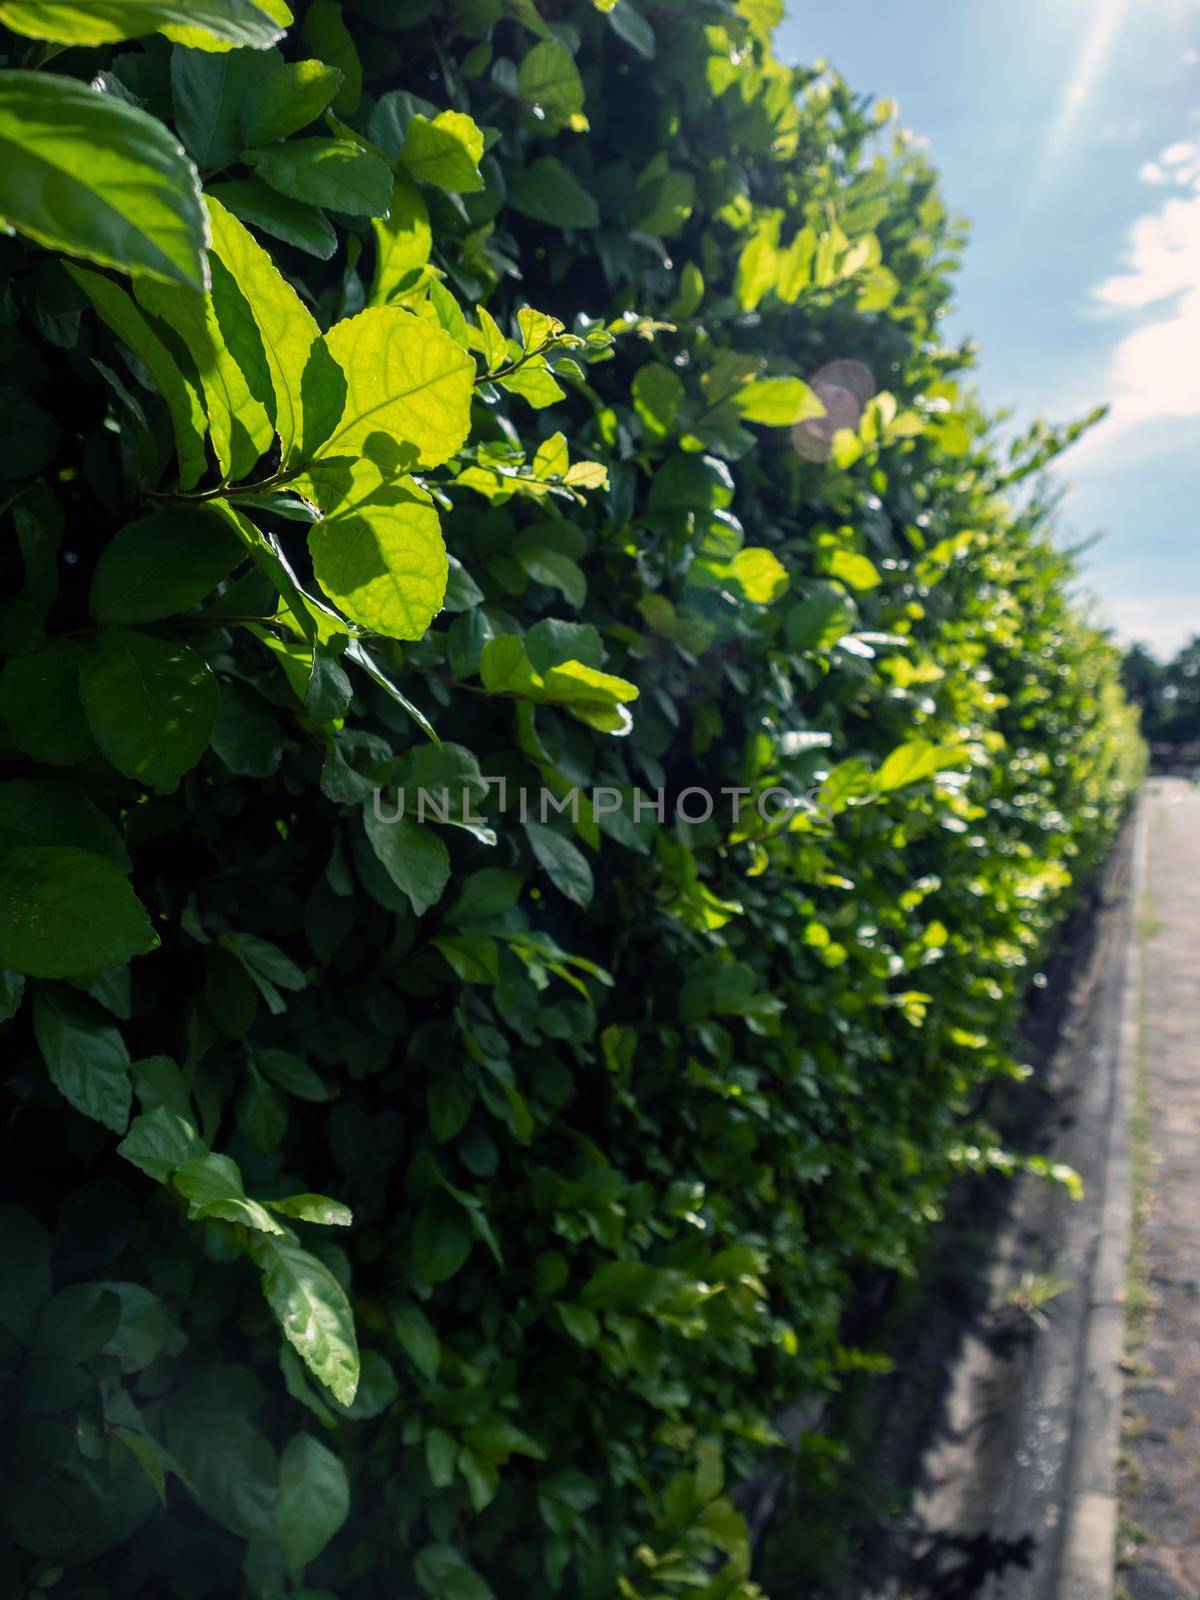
column 1160, row 1539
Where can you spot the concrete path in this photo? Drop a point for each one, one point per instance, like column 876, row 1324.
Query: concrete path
column 1160, row 1491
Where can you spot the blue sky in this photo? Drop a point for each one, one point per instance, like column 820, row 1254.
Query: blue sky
column 1068, row 131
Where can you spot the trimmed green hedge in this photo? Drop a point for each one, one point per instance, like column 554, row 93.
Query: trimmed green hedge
column 546, row 399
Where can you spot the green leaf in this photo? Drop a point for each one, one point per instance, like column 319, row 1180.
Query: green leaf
column 757, row 265
column 67, row 913
column 441, row 1452
column 288, row 99
column 356, row 652
column 535, row 383
column 380, row 557
column 445, row 152
column 207, row 324
column 657, row 394
column 207, row 37
column 311, row 1308
column 547, row 192
column 487, row 893
column 41, row 705
column 158, row 1081
column 266, row 958
column 570, row 683
column 759, row 574
column 408, row 390
column 327, row 36
column 777, row 402
column 313, row 1208
column 188, row 420
column 164, row 563
column 563, row 862
column 77, row 1323
column 210, row 93
column 25, row 1281
column 287, row 328
column 913, row 761
column 84, row 1055
column 418, row 1339
column 43, row 811
column 261, row 207
column 31, row 433
column 549, row 80
column 149, row 1456
column 292, row 1074
column 444, row 1575
column 90, row 22
column 145, row 1326
column 261, row 1112
column 854, row 570
column 298, row 1386
column 473, row 957
column 326, row 172
column 753, row 572
column 311, row 618
column 441, row 1240
column 207, row 1178
column 402, row 240
column 159, row 1142
column 629, row 24
column 663, row 204
column 12, row 993
column 247, row 734
column 151, row 705
column 415, row 858
column 314, row 1501
column 86, row 173
column 230, row 1468
column 553, row 568
column 213, row 1187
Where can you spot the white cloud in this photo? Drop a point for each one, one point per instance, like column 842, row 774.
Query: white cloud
column 1155, row 367
column 1151, row 172
column 1164, row 623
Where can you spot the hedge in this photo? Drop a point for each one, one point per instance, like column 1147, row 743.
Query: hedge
column 544, row 404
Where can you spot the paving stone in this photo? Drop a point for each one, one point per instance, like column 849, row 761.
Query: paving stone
column 1160, row 1409
column 1159, row 1512
column 1145, row 1582
column 1164, row 1472
column 1165, row 1444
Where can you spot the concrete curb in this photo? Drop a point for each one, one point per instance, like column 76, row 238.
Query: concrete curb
column 1087, row 1563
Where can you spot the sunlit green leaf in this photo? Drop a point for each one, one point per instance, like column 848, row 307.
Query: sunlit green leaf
column 287, row 328
column 408, row 394
column 205, row 23
column 311, row 1308
column 88, row 174
column 445, row 151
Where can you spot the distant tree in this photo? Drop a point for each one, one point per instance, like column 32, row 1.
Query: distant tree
column 1168, row 695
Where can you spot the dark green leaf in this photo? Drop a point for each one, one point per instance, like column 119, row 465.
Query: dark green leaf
column 326, row 172
column 151, row 705
column 163, row 563
column 84, row 1055
column 314, row 1500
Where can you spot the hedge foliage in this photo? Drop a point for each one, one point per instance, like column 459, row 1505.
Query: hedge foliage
column 418, row 394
